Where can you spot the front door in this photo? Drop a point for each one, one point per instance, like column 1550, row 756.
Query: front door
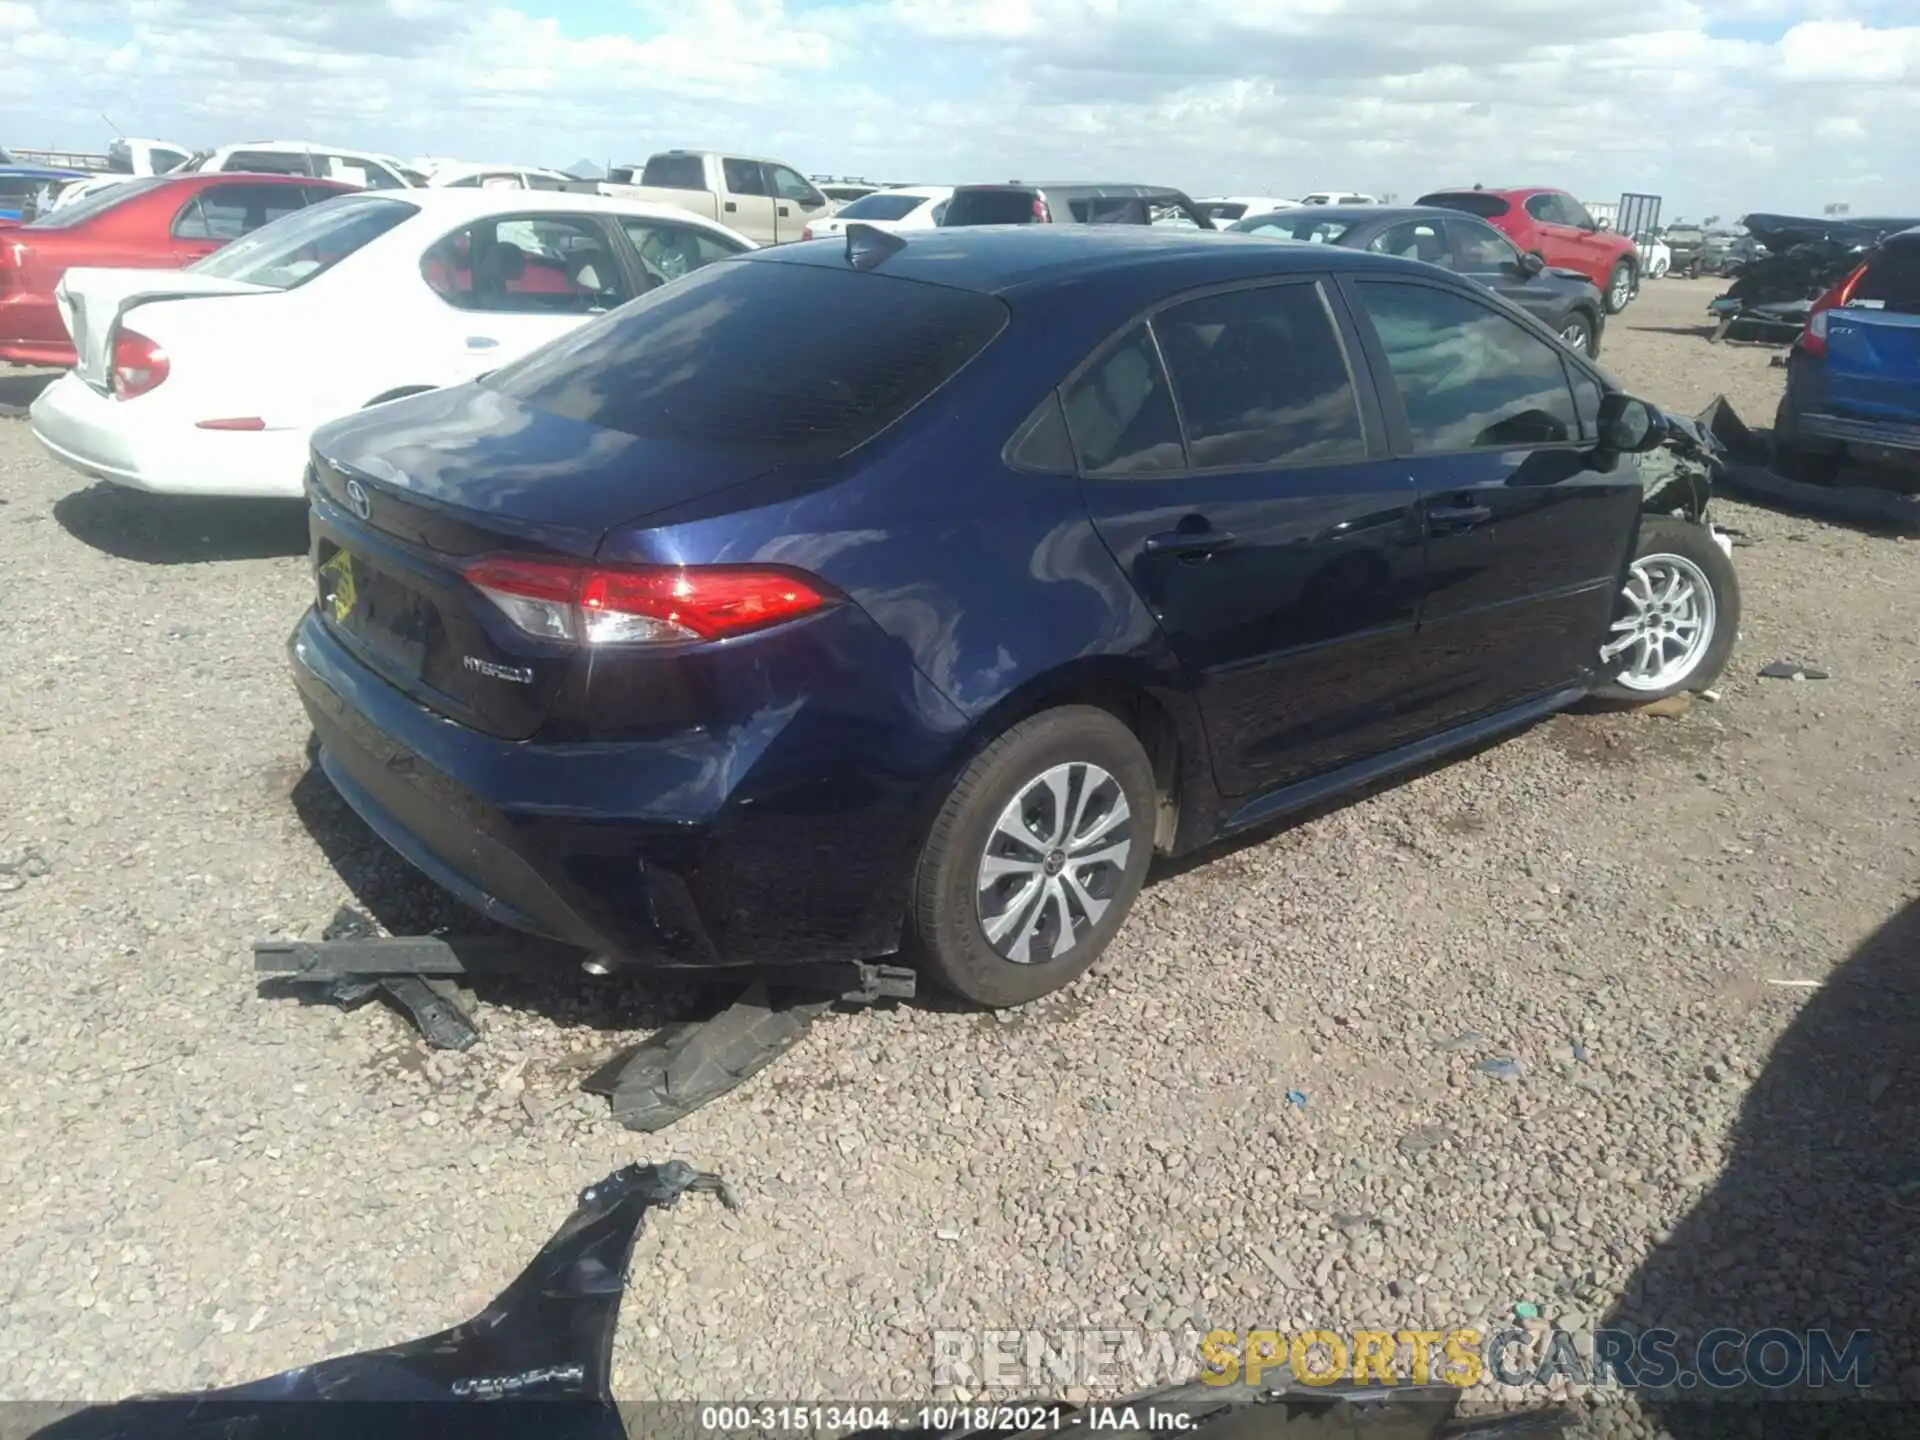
column 1485, row 256
column 795, row 202
column 748, row 204
column 1527, row 542
column 1260, row 521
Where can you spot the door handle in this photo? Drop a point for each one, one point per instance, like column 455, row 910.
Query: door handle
column 732, row 206
column 1458, row 517
column 1187, row 544
column 481, row 342
column 783, row 210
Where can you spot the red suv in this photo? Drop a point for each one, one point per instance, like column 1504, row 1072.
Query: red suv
column 1557, row 228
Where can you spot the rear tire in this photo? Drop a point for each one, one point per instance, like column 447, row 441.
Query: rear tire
column 1705, row 594
column 1619, row 292
column 1035, row 859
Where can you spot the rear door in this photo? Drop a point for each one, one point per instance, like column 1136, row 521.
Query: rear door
column 747, row 205
column 1232, row 459
column 511, row 283
column 1526, row 541
column 795, row 202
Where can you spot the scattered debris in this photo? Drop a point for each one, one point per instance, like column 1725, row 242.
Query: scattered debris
column 1712, row 697
column 548, row 1337
column 1670, row 707
column 1792, row 670
column 1526, row 1310
column 1499, row 1069
column 1803, row 257
column 1797, row 984
column 1472, row 1039
column 1297, row 1098
column 947, row 1233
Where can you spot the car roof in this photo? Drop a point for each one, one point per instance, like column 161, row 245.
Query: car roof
column 1006, row 259
column 1505, row 192
column 44, row 172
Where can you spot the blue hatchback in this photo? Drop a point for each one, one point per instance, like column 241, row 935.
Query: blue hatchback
column 910, row 593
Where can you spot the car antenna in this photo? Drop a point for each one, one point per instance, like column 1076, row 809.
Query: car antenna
column 868, row 247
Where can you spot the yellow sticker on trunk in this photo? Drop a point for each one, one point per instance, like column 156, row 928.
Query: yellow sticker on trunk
column 336, row 586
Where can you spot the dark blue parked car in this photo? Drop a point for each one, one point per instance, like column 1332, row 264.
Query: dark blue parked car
column 1853, row 376
column 910, row 593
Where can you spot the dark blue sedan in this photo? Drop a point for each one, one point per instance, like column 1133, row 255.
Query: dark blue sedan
column 909, row 594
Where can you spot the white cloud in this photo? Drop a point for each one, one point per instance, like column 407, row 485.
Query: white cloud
column 1719, row 105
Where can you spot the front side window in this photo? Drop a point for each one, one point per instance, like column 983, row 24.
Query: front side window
column 226, row 212
column 1542, row 208
column 295, row 248
column 668, row 251
column 527, row 265
column 1262, row 379
column 1110, row 210
column 1469, row 378
column 1120, row 412
column 1290, row 225
column 1414, row 240
column 789, row 186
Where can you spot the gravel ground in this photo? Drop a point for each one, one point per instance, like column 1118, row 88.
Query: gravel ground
column 199, row 1185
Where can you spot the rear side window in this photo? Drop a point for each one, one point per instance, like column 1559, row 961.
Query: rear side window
column 226, row 212
column 992, row 207
column 1221, row 210
column 668, row 251
column 1120, row 412
column 1471, row 202
column 744, row 177
column 1480, row 249
column 675, row 172
column 1469, row 378
column 527, row 265
column 1415, row 240
column 1262, row 379
column 692, row 361
column 1110, row 210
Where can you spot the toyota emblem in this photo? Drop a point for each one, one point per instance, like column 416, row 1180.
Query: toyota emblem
column 357, row 499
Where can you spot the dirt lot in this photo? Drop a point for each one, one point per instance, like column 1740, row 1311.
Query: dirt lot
column 198, row 1185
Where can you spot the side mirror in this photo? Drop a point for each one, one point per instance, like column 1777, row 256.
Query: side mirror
column 1531, row 264
column 1629, row 426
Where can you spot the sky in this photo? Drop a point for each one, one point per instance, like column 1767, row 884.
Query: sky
column 1720, row 107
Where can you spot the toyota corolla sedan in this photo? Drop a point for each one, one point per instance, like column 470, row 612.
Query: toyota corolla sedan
column 909, row 593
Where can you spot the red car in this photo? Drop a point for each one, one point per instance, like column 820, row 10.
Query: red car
column 163, row 222
column 1557, row 228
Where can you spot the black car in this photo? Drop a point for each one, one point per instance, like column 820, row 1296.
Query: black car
column 1566, row 301
column 1074, row 202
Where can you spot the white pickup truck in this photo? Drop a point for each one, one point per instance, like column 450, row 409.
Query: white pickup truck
column 768, row 202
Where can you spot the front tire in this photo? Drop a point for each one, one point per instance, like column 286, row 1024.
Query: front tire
column 1035, row 859
column 1576, row 333
column 1678, row 616
column 1619, row 292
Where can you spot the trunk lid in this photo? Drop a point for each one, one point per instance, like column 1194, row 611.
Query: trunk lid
column 407, row 491
column 92, row 302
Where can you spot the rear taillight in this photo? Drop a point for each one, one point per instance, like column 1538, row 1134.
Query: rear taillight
column 138, row 364
column 639, row 605
column 806, row 232
column 1040, row 215
column 1813, row 340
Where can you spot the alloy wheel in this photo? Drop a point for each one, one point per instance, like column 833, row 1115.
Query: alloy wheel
column 1577, row 337
column 1622, row 288
column 1053, row 863
column 1668, row 625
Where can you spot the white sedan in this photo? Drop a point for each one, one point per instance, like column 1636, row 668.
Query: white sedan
column 210, row 380
column 910, row 207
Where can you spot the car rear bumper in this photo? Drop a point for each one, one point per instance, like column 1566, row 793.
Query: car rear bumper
column 1851, row 430
column 655, row 853
column 148, row 448
column 1809, row 420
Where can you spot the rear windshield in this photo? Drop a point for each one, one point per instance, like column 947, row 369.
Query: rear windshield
column 293, row 249
column 1893, row 276
column 690, row 361
column 991, row 207
column 675, row 172
column 98, row 203
column 880, row 206
column 1472, row 202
